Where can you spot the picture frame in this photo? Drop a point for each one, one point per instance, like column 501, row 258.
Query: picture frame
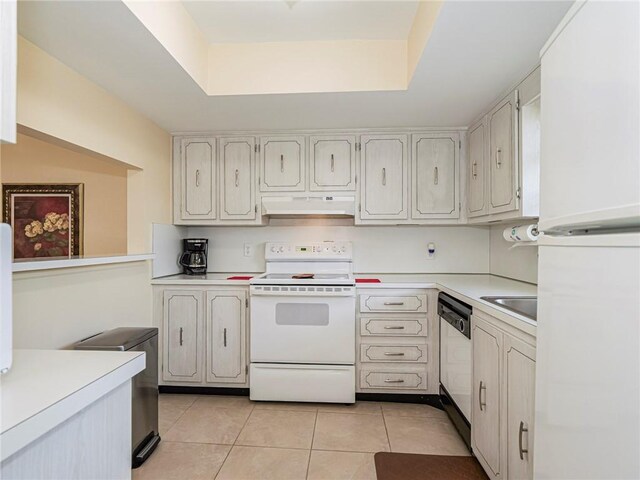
column 47, row 219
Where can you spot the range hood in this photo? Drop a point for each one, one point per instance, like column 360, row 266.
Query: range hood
column 309, row 206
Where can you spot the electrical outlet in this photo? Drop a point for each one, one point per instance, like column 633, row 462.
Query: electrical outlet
column 248, row 250
column 431, row 250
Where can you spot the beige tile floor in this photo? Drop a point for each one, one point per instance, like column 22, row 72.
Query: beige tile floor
column 223, row 437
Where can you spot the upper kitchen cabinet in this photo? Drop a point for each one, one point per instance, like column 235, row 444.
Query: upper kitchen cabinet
column 385, row 178
column 504, row 157
column 435, row 172
column 476, row 203
column 282, row 164
column 195, row 179
column 503, row 164
column 237, row 178
column 332, row 163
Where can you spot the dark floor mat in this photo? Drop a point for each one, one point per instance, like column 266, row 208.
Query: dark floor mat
column 407, row 466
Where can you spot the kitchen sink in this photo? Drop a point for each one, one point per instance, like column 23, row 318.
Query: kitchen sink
column 527, row 306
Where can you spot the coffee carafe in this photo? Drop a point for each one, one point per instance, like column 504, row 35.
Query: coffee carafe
column 194, row 257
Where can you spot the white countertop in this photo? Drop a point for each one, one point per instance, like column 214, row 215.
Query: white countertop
column 208, row 279
column 46, row 387
column 468, row 288
column 23, row 265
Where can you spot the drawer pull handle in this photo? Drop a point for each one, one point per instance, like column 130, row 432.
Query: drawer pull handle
column 388, row 327
column 224, row 334
column 181, row 336
column 522, row 430
column 237, row 174
column 394, row 303
column 394, row 354
column 388, row 380
column 282, row 163
column 482, row 404
column 435, row 176
column 197, row 178
column 384, row 176
column 333, row 163
column 498, row 158
column 473, row 170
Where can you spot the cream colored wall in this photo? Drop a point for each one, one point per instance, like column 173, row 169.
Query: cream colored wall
column 519, row 263
column 175, row 29
column 59, row 102
column 105, row 187
column 55, row 308
column 301, row 67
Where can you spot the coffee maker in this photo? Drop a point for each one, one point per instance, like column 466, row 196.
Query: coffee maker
column 194, row 257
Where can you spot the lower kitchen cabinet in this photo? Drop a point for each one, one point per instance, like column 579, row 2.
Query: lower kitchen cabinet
column 204, row 335
column 182, row 335
column 487, row 345
column 397, row 351
column 520, row 374
column 226, row 320
column 504, row 362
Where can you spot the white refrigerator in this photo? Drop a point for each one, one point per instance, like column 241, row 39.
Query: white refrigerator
column 587, row 408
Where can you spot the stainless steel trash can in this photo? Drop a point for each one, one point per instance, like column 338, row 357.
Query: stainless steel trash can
column 144, row 401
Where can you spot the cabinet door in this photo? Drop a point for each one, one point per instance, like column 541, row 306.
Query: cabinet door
column 226, row 356
column 384, row 177
column 503, row 128
column 237, row 172
column 520, row 372
column 476, row 174
column 198, row 178
column 282, row 164
column 435, row 176
column 182, row 327
column 485, row 423
column 332, row 163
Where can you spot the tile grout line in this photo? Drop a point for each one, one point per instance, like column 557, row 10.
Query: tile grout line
column 179, row 416
column 234, row 442
column 223, row 461
column 386, row 430
column 313, row 438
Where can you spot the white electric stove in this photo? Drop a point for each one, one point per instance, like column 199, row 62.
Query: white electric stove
column 303, row 324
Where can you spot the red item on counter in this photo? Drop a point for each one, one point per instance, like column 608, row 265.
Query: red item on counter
column 239, row 277
column 367, row 280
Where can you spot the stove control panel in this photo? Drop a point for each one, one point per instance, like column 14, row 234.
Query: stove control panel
column 313, row 251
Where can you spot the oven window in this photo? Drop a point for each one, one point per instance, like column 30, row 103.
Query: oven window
column 305, row 314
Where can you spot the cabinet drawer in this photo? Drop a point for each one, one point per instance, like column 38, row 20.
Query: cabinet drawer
column 393, row 379
column 385, row 303
column 414, row 327
column 393, row 353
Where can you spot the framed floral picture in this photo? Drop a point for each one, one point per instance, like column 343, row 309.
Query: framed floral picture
column 46, row 219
